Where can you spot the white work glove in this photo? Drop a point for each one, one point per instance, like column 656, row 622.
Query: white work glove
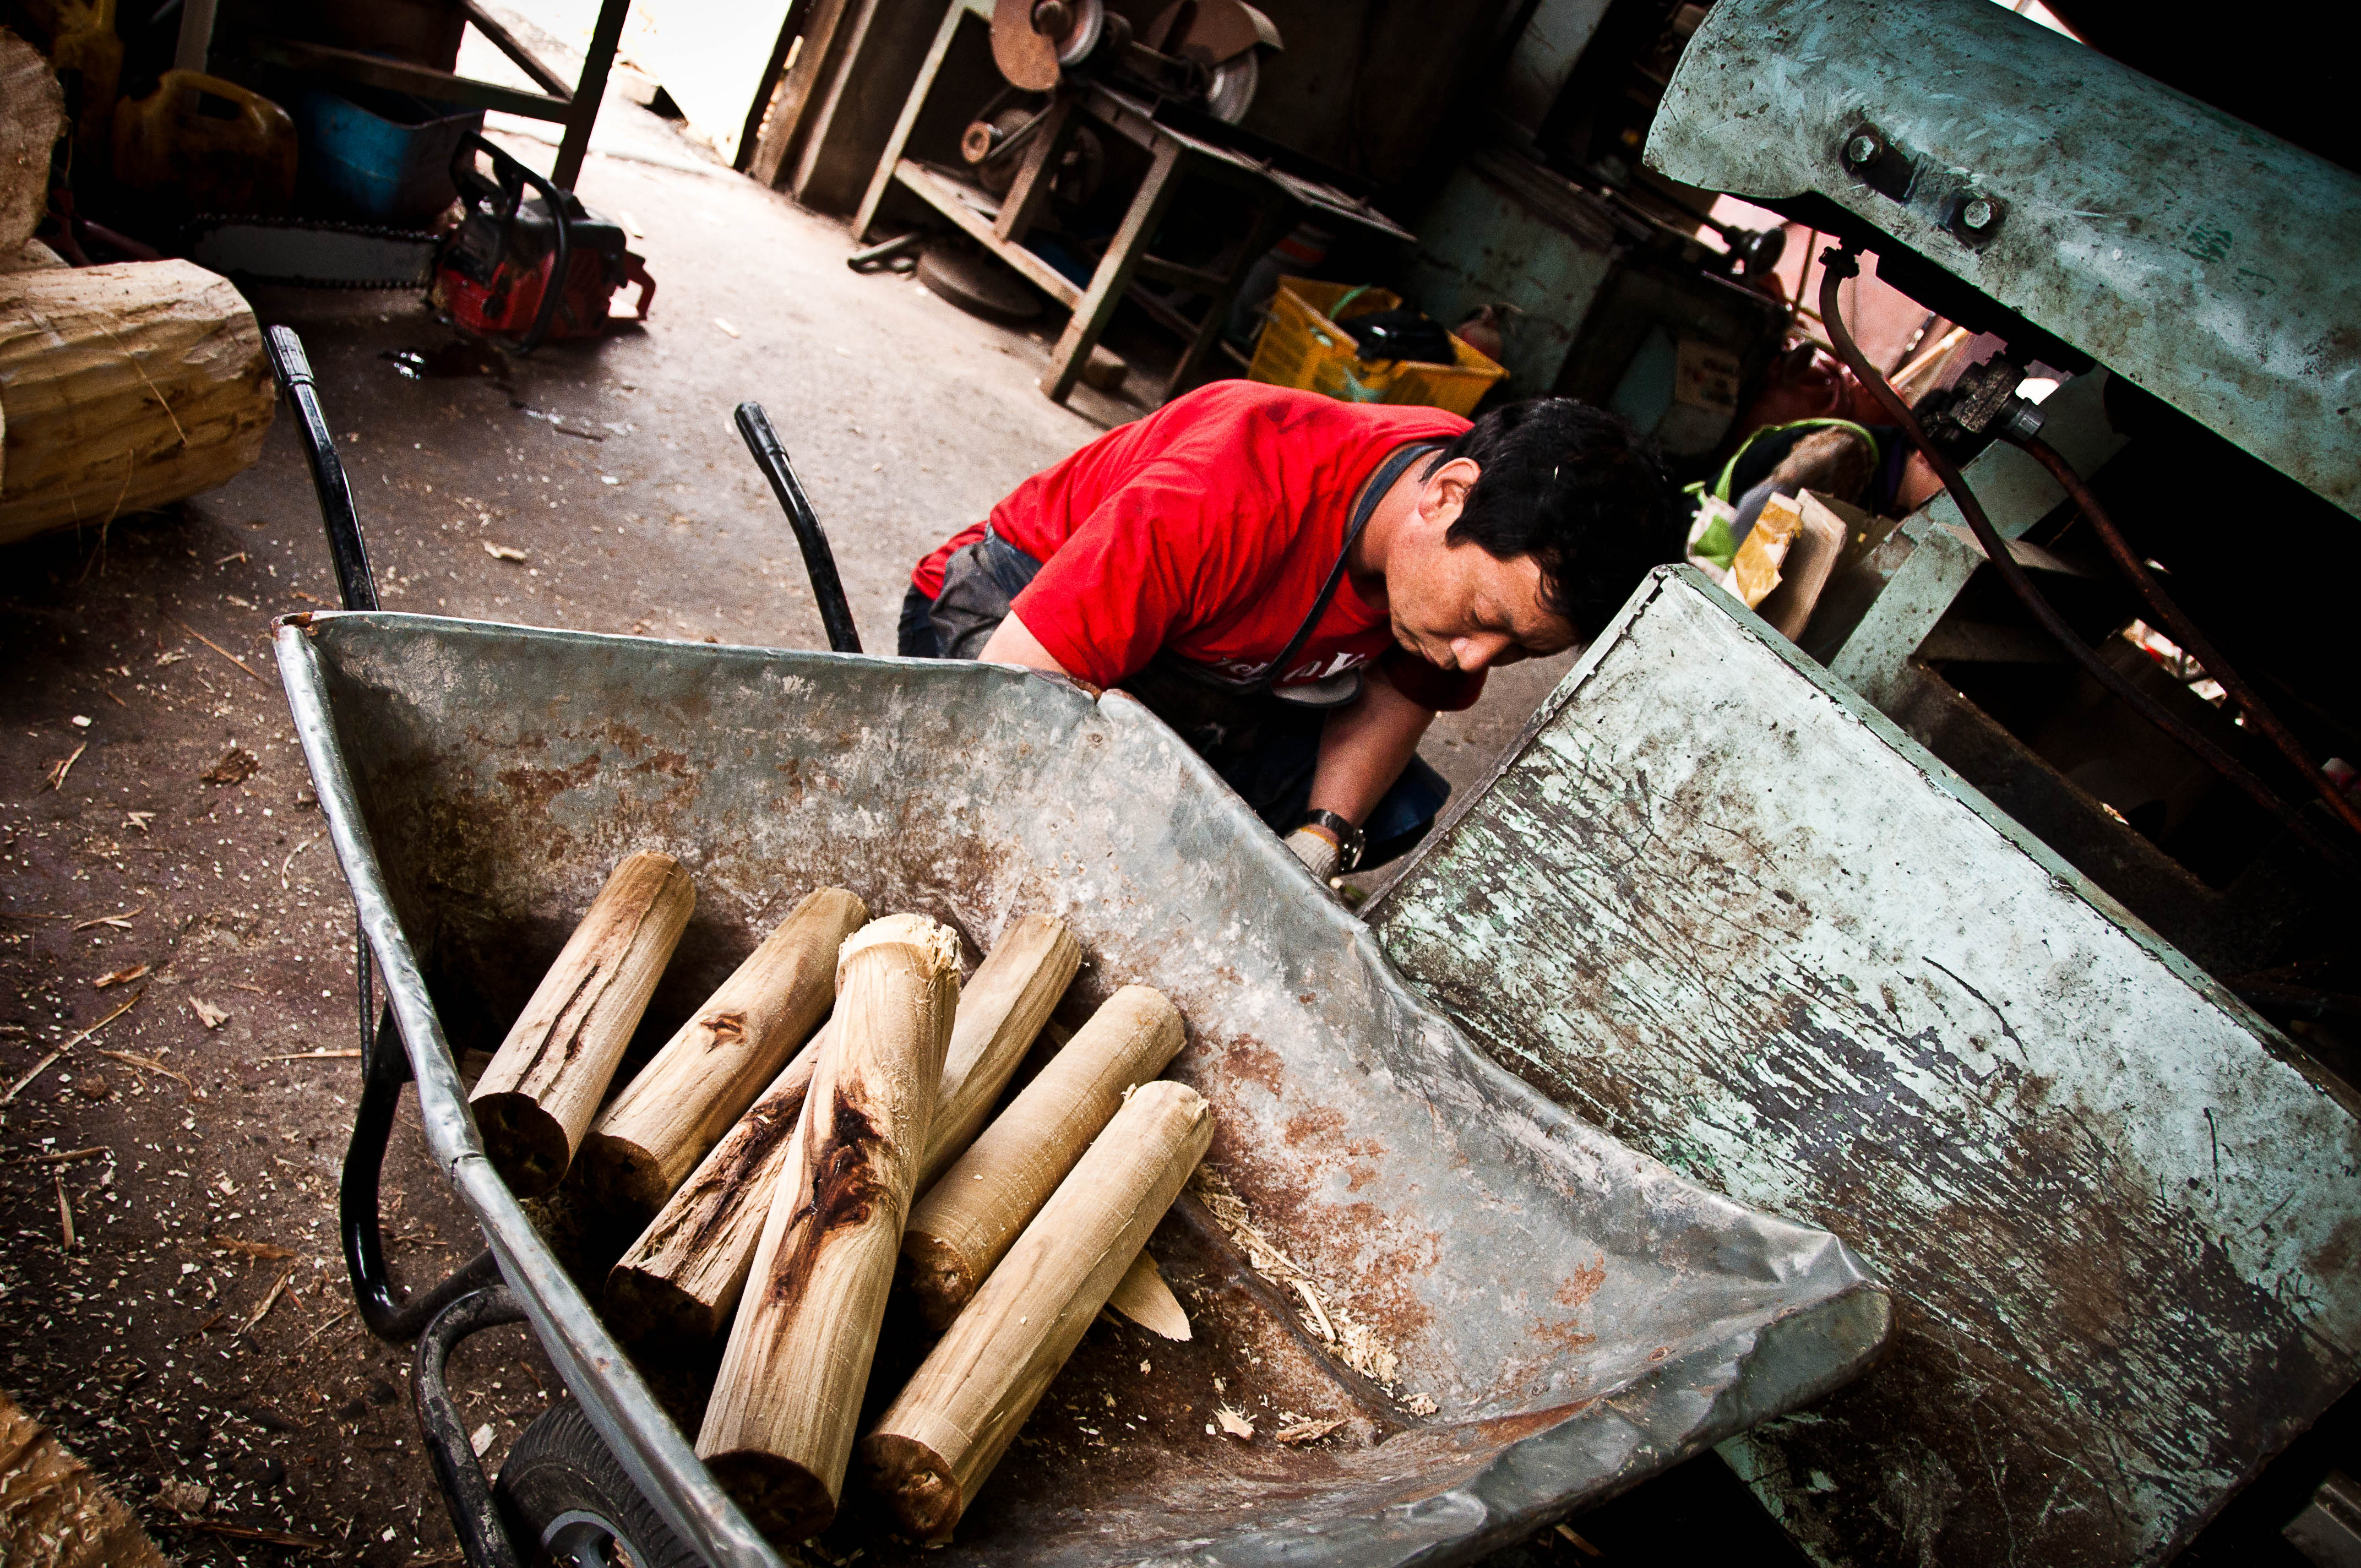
column 1317, row 848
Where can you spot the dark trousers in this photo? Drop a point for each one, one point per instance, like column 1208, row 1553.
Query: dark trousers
column 1275, row 778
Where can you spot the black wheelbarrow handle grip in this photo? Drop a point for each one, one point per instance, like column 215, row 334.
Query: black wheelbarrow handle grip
column 355, row 582
column 819, row 561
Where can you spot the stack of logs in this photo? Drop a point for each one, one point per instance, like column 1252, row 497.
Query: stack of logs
column 786, row 1189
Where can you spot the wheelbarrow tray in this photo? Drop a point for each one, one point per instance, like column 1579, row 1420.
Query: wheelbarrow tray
column 1566, row 1317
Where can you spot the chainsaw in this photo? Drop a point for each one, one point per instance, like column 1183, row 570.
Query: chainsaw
column 519, row 268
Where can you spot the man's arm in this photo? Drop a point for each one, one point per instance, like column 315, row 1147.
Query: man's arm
column 1011, row 644
column 1364, row 747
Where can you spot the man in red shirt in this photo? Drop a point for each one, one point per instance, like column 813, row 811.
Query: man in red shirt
column 1297, row 586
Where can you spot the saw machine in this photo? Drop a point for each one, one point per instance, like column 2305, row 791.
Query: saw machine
column 1202, row 53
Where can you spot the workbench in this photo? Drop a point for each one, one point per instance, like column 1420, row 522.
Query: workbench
column 1277, row 199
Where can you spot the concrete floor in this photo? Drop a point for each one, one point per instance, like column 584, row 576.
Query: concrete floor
column 160, row 1344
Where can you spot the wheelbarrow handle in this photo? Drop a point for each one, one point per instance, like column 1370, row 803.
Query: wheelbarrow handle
column 355, row 582
column 819, row 562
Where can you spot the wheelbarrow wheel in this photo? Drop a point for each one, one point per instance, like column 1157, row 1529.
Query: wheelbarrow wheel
column 562, row 1490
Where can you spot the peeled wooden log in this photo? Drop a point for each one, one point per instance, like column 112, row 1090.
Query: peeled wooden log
column 535, row 1101
column 685, row 1272
column 123, row 388
column 967, row 1219
column 645, row 1144
column 779, row 1430
column 682, row 1279
column 950, row 1424
column 1001, row 1009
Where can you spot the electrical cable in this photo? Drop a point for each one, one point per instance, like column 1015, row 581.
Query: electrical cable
column 1839, row 264
column 2185, row 631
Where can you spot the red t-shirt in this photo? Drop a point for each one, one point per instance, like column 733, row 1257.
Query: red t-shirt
column 1208, row 527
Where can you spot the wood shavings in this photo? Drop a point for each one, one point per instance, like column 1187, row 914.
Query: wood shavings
column 120, row 922
column 1358, row 1345
column 211, row 1016
column 65, row 1209
column 1235, row 1424
column 120, row 977
column 503, row 551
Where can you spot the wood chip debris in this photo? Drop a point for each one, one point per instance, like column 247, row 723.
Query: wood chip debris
column 1234, row 1423
column 1301, row 1433
column 236, row 765
column 269, row 1301
column 211, row 1016
column 64, row 766
column 65, row 1210
column 1357, row 1342
column 503, row 551
column 120, row 922
column 284, row 885
column 215, row 646
column 68, row 1157
column 149, row 1064
column 252, row 1249
column 120, row 977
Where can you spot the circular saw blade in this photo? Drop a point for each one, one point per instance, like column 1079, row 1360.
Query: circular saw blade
column 1231, row 92
column 1033, row 60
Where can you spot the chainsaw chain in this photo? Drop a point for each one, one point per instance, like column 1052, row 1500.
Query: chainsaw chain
column 204, row 221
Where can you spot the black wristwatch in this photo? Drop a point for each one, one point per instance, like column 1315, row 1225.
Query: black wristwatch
column 1350, row 840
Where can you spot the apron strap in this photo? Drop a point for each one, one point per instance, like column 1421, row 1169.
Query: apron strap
column 1379, row 483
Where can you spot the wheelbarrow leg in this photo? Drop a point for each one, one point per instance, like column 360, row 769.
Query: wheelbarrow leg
column 819, row 561
column 384, row 1070
column 475, row 1515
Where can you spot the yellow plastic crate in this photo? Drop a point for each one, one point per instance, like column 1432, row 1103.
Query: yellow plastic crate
column 1303, row 346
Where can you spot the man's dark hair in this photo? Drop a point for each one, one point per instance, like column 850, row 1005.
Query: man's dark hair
column 1576, row 489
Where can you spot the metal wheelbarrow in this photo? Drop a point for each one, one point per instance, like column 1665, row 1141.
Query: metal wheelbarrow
column 1515, row 1315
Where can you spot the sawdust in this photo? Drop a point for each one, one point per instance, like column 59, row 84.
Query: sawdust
column 1358, row 1344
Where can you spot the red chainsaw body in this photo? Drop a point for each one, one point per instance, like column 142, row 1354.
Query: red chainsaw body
column 497, row 270
column 505, row 303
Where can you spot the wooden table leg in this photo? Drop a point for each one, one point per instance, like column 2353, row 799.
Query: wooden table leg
column 883, row 181
column 1273, row 217
column 1114, row 274
column 588, row 93
column 1037, row 177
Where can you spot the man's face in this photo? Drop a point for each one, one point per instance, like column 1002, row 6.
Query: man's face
column 1458, row 606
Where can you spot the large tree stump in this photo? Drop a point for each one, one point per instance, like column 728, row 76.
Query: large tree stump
column 32, row 117
column 123, row 388
column 948, row 1428
column 646, row 1143
column 778, row 1431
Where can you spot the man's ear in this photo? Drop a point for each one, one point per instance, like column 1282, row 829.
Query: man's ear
column 1445, row 495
